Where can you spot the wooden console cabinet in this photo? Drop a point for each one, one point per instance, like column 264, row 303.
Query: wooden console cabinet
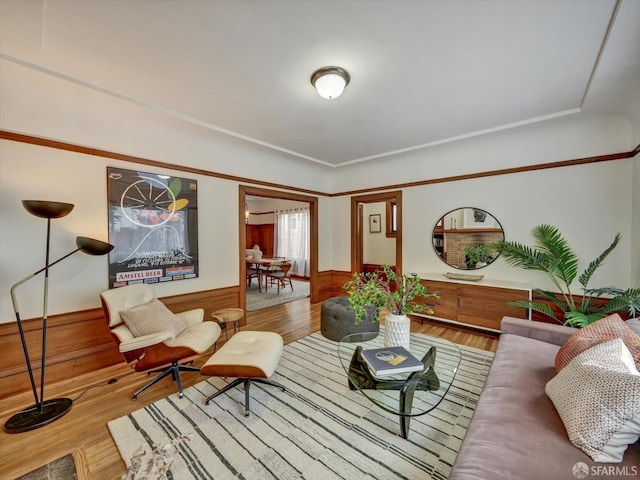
column 479, row 304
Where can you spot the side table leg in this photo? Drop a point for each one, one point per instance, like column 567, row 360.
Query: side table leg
column 423, row 380
column 404, row 426
column 406, row 402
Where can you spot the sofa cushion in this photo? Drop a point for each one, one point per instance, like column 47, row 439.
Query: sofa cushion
column 600, row 331
column 152, row 317
column 597, row 395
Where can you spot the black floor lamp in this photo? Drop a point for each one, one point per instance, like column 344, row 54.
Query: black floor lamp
column 45, row 412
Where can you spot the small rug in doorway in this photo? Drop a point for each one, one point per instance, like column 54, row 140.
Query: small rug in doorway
column 258, row 300
column 317, row 429
column 60, row 469
column 63, row 468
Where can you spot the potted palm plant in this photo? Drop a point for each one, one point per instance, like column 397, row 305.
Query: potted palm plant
column 552, row 255
column 395, row 294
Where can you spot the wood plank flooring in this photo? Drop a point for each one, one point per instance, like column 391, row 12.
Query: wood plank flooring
column 96, row 402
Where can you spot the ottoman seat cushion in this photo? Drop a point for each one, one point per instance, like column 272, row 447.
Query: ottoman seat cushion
column 246, row 354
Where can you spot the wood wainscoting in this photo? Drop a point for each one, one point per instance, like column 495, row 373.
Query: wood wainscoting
column 261, row 235
column 80, row 342
column 330, row 283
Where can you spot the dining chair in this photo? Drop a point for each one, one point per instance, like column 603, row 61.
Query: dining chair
column 253, row 271
column 274, row 266
column 280, row 277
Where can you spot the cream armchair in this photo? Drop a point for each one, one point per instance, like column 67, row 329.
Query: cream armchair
column 150, row 336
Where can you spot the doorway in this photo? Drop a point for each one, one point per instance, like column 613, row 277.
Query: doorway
column 247, row 191
column 364, row 225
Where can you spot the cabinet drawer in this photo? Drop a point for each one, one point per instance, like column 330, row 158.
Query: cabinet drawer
column 486, row 313
column 477, row 305
column 447, row 305
column 492, row 294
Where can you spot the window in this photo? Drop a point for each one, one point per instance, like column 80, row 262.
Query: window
column 392, row 218
column 292, row 239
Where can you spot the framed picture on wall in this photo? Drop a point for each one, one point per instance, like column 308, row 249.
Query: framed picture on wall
column 375, row 223
column 153, row 223
column 478, row 218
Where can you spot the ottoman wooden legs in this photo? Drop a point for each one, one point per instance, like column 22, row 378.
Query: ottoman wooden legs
column 248, row 356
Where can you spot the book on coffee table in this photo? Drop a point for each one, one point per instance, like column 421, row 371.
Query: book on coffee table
column 390, row 361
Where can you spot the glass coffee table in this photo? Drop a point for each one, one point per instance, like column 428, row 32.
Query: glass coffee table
column 409, row 394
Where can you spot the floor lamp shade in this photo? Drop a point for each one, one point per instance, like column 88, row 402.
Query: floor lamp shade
column 44, row 411
column 91, row 246
column 46, row 209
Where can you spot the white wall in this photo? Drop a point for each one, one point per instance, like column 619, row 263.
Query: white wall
column 635, row 222
column 267, row 207
column 81, row 180
column 41, row 105
column 340, row 241
column 377, row 248
column 577, row 136
column 633, row 111
column 588, row 203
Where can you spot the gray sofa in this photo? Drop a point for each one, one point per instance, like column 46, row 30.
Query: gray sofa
column 515, row 432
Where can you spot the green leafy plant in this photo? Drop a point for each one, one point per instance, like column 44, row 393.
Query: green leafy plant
column 388, row 290
column 478, row 253
column 552, row 255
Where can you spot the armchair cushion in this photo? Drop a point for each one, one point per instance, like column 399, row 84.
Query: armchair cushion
column 151, row 318
column 139, row 343
column 191, row 317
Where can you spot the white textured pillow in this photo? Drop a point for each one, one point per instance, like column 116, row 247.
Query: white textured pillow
column 597, row 396
column 152, row 317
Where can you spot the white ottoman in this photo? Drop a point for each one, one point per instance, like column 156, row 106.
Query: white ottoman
column 250, row 357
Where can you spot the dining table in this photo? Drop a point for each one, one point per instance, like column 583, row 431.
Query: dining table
column 263, row 265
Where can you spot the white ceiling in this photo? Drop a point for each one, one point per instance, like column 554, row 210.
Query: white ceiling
column 422, row 72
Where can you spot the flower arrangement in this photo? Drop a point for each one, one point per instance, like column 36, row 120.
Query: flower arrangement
column 387, row 290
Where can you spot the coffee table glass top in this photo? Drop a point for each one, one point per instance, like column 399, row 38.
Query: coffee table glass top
column 409, row 394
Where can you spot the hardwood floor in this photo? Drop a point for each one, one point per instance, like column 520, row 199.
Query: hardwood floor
column 83, row 431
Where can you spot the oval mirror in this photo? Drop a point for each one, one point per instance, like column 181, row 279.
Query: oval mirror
column 461, row 238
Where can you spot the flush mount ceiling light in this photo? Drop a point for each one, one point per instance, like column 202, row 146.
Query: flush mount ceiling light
column 330, row 81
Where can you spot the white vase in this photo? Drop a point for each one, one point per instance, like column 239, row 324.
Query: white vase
column 397, row 330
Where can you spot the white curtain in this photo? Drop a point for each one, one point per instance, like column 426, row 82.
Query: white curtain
column 292, row 239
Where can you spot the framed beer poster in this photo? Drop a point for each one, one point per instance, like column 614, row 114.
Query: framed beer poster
column 153, row 225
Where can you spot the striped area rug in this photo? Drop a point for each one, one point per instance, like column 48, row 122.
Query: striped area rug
column 317, row 429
